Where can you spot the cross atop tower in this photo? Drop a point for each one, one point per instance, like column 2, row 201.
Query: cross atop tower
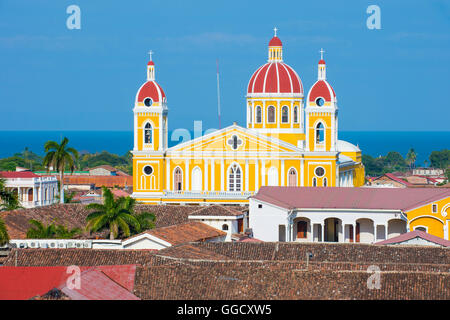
column 321, row 53
column 275, row 30
column 150, row 53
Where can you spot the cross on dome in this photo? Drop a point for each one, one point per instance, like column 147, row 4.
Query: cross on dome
column 150, row 53
column 321, row 53
column 275, row 31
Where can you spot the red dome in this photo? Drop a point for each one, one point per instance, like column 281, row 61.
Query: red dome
column 323, row 90
column 150, row 63
column 275, row 77
column 322, row 61
column 275, row 42
column 152, row 90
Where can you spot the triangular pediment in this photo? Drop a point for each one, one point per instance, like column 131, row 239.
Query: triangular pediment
column 234, row 139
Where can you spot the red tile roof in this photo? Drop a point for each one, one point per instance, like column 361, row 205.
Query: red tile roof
column 416, row 234
column 111, row 282
column 186, row 232
column 217, row 210
column 350, row 198
column 18, row 174
column 100, row 181
column 395, row 178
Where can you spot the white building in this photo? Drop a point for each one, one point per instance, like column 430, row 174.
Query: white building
column 328, row 214
column 32, row 190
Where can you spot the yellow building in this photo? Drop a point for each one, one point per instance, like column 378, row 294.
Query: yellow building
column 431, row 216
column 287, row 141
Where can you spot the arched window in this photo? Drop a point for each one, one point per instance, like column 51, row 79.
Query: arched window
column 325, row 181
column 177, row 179
column 271, row 114
column 258, row 114
column 225, row 227
column 196, row 179
column 314, row 182
column 421, row 229
column 320, row 136
column 292, row 181
column 273, row 177
column 285, row 114
column 148, row 136
column 295, row 114
column 302, row 229
column 234, row 178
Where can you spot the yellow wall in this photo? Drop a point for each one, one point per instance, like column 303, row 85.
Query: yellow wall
column 423, row 216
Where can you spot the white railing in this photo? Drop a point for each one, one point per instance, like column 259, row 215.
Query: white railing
column 208, row 194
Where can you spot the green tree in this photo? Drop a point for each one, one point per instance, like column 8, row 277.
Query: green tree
column 111, row 215
column 146, row 219
column 40, row 230
column 62, row 232
column 440, row 159
column 411, row 157
column 8, row 200
column 4, row 237
column 59, row 156
column 395, row 161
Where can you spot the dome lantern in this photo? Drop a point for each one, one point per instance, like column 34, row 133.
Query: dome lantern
column 275, row 48
column 150, row 68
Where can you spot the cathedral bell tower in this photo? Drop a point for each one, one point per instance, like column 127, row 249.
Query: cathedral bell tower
column 321, row 113
column 150, row 134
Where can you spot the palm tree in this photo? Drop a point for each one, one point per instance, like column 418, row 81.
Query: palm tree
column 111, row 215
column 59, row 156
column 411, row 158
column 4, row 237
column 8, row 200
column 40, row 230
column 62, row 232
column 146, row 219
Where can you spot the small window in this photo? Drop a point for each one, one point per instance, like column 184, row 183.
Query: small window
column 148, row 102
column 320, row 102
column 148, row 136
column 319, row 171
column 314, row 182
column 271, row 114
column 295, row 114
column 421, row 229
column 434, row 208
column 148, row 170
column 225, row 227
column 258, row 114
column 285, row 114
column 259, row 206
column 325, row 182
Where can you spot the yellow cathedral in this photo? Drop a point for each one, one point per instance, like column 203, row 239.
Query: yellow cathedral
column 288, row 141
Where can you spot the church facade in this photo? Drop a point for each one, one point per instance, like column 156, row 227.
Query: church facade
column 288, row 140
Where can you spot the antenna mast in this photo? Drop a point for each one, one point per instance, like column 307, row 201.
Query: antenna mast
column 218, row 92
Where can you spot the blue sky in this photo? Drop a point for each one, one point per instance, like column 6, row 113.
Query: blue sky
column 53, row 78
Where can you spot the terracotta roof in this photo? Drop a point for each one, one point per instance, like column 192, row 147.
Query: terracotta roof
column 73, row 215
column 275, row 42
column 79, row 257
column 416, row 234
column 100, row 181
column 18, row 174
column 395, row 178
column 186, row 232
column 104, row 166
column 275, row 77
column 110, row 283
column 349, row 198
column 217, row 210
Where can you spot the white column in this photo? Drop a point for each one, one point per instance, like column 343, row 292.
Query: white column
column 168, row 174
column 302, row 172
column 212, row 175
column 206, row 161
column 374, row 232
column 222, row 173
column 263, row 173
column 160, row 125
column 34, row 195
column 322, row 232
column 354, row 232
column 247, row 175
column 135, row 132
column 282, row 173
column 256, row 175
column 186, row 175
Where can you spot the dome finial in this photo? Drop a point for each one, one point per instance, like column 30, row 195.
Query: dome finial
column 150, row 53
column 321, row 53
column 275, row 31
